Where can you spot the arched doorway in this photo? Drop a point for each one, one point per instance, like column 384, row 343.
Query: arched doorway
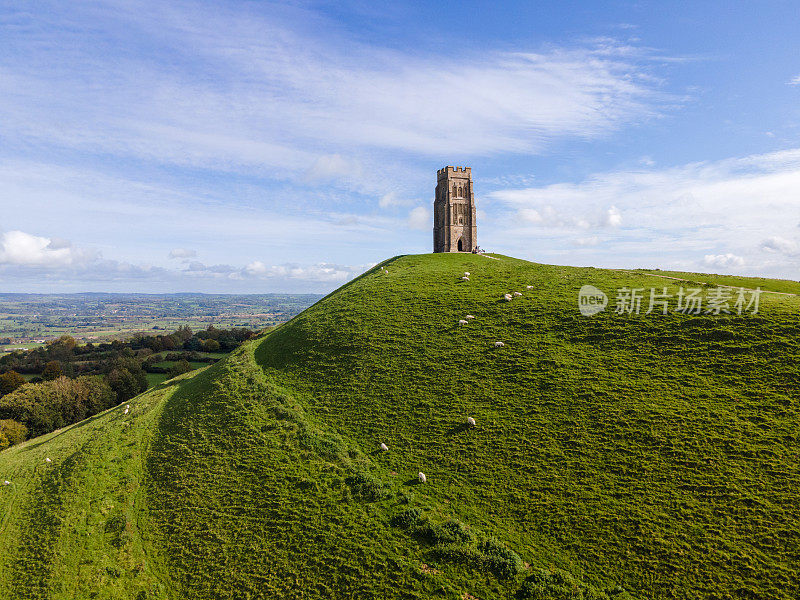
column 460, row 245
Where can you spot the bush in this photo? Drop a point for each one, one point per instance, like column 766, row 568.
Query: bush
column 10, row 381
column 500, row 560
column 179, row 368
column 366, row 486
column 543, row 584
column 407, row 518
column 52, row 370
column 12, row 432
column 460, row 554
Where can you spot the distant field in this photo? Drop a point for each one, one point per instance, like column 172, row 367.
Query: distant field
column 154, row 379
column 27, row 318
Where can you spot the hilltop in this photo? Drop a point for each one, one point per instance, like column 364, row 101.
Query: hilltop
column 617, row 456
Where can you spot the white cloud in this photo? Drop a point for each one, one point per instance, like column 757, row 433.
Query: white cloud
column 548, row 216
column 420, row 218
column 20, row 248
column 723, row 261
column 611, row 217
column 332, row 167
column 735, row 209
column 392, row 199
column 795, row 80
column 281, row 99
column 780, row 245
column 587, row 241
column 182, row 253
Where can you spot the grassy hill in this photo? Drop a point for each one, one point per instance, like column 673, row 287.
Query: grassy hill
column 656, row 454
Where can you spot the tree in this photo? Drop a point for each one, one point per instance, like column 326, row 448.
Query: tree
column 52, row 370
column 211, row 346
column 11, row 432
column 179, row 368
column 10, row 381
column 124, row 384
column 49, row 405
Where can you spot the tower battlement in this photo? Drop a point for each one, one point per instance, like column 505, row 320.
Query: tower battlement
column 444, row 171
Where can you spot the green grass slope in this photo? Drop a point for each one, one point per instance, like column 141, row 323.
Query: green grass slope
column 653, row 453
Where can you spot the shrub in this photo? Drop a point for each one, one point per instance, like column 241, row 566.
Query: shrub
column 407, row 518
column 179, row 368
column 11, row 432
column 52, row 370
column 10, row 381
column 500, row 560
column 366, row 486
column 543, row 584
column 454, row 530
column 460, row 554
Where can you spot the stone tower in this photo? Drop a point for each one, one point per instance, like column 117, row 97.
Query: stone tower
column 454, row 228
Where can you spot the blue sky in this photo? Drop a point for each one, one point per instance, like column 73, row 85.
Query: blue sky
column 255, row 147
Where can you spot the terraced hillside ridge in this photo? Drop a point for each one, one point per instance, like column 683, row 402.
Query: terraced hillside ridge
column 613, row 456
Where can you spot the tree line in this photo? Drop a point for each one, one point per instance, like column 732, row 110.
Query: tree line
column 72, row 382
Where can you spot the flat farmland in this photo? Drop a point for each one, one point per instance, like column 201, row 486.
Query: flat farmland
column 30, row 320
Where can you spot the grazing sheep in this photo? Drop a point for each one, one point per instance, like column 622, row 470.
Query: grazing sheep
column 463, row 322
column 125, row 412
column 470, row 421
column 421, row 477
column 528, row 287
column 469, row 317
column 47, row 460
column 518, row 293
column 466, row 273
column 465, row 278
column 508, row 297
column 383, row 447
column 7, row 482
column 499, row 344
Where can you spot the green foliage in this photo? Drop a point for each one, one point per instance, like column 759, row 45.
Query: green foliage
column 43, row 407
column 9, row 381
column 52, row 370
column 501, row 560
column 179, row 368
column 407, row 518
column 11, row 432
column 366, row 486
column 545, row 584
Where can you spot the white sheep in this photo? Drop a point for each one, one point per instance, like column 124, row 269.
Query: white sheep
column 7, row 482
column 508, row 297
column 528, row 287
column 47, row 460
column 499, row 344
column 421, row 477
column 469, row 317
column 125, row 412
column 383, row 447
column 518, row 293
column 466, row 273
column 465, row 278
column 463, row 322
column 470, row 421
